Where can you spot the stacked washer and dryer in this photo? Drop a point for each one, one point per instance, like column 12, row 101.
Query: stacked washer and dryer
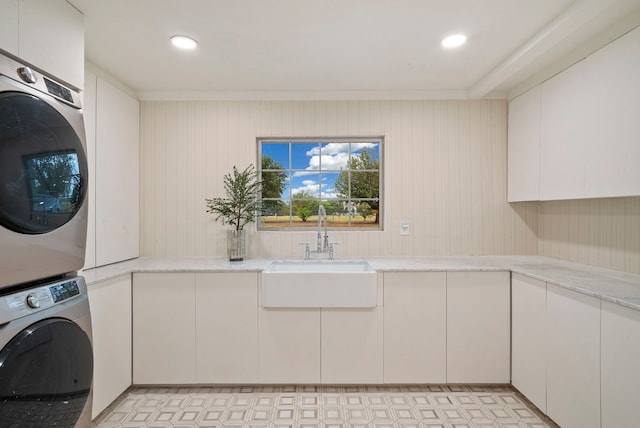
column 46, row 359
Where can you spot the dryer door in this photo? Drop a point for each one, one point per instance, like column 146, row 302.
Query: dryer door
column 45, row 375
column 43, row 168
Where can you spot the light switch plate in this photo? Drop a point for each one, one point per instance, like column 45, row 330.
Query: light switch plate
column 404, row 227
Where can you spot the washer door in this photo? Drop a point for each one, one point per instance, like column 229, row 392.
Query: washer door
column 43, row 168
column 45, row 375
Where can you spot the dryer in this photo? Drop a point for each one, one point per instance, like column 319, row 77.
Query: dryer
column 43, row 175
column 46, row 358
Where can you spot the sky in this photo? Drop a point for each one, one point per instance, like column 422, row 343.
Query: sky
column 306, row 160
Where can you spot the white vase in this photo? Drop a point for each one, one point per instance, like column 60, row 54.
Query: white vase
column 235, row 245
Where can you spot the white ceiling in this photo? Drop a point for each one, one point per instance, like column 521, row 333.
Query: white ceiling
column 337, row 48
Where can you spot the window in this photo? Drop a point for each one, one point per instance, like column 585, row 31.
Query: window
column 342, row 174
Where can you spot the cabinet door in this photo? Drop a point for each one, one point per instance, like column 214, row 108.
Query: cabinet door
column 227, row 327
column 619, row 365
column 528, row 337
column 573, row 358
column 524, row 147
column 117, row 172
column 478, row 327
column 9, row 20
column 289, row 345
column 563, row 123
column 613, row 141
column 415, row 330
column 164, row 328
column 89, row 114
column 351, row 346
column 51, row 37
column 110, row 303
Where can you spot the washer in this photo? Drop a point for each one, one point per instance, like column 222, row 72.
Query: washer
column 46, row 358
column 43, row 176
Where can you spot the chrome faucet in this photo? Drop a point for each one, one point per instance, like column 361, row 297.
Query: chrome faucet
column 322, row 242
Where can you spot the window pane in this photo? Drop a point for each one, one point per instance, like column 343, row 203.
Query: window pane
column 328, row 185
column 334, row 156
column 275, row 156
column 275, row 213
column 275, row 184
column 365, row 185
column 305, row 156
column 305, row 184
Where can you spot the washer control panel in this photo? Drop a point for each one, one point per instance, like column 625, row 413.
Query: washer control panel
column 28, row 301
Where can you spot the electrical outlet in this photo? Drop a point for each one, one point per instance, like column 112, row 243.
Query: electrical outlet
column 404, row 227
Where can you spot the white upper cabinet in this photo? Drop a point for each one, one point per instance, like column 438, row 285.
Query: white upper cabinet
column 117, row 175
column 524, row 147
column 46, row 33
column 9, row 12
column 563, row 126
column 613, row 142
column 578, row 133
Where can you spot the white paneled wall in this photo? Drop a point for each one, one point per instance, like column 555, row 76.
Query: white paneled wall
column 599, row 232
column 445, row 172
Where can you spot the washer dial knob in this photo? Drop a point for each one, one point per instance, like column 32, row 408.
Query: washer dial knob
column 27, row 75
column 33, row 301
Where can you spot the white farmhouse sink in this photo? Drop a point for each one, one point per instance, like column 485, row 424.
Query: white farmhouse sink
column 319, row 284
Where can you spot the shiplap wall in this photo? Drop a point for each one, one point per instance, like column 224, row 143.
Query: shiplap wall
column 444, row 171
column 599, row 232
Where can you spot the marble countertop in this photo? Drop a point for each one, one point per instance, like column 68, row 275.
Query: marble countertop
column 608, row 285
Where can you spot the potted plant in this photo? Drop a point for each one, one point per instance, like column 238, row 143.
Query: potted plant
column 239, row 207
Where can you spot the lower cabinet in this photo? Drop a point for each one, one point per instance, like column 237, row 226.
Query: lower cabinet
column 528, row 338
column 415, row 327
column 289, row 345
column 195, row 328
column 620, row 371
column 164, row 328
column 478, row 327
column 573, row 358
column 226, row 327
column 110, row 303
column 351, row 346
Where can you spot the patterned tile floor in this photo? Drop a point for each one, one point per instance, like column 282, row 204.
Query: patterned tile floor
column 322, row 406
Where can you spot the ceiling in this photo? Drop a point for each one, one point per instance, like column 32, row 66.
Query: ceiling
column 351, row 49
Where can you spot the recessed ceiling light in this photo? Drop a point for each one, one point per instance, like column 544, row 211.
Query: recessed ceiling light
column 183, row 42
column 454, row 41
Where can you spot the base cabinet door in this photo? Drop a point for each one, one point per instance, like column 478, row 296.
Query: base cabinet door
column 620, row 366
column 478, row 327
column 573, row 358
column 415, row 327
column 110, row 303
column 351, row 346
column 227, row 327
column 164, row 328
column 288, row 345
column 528, row 336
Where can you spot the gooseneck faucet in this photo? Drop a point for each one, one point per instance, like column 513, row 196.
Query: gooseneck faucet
column 322, row 242
column 322, row 245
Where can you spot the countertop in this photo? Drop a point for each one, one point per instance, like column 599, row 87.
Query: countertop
column 608, row 285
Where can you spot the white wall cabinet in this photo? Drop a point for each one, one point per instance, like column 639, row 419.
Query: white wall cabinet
column 112, row 129
column 528, row 338
column 573, row 358
column 478, row 327
column 352, row 344
column 110, row 303
column 164, row 333
column 49, row 34
column 226, row 327
column 415, row 330
column 563, row 127
column 620, row 371
column 582, row 126
column 523, row 157
column 9, row 25
column 289, row 345
column 612, row 148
